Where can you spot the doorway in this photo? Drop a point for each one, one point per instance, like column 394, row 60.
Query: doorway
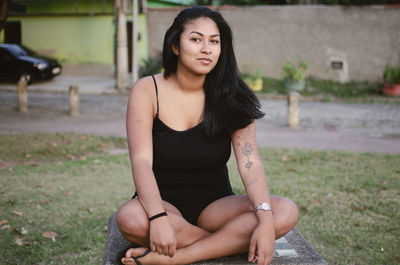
column 12, row 32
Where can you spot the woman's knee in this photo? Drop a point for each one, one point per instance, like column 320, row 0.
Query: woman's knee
column 287, row 213
column 131, row 221
column 292, row 212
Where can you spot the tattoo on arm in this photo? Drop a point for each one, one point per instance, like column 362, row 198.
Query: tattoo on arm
column 246, row 148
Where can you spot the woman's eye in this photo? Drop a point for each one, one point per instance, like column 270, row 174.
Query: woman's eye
column 195, row 39
column 215, row 41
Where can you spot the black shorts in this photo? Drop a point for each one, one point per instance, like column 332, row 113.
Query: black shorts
column 192, row 208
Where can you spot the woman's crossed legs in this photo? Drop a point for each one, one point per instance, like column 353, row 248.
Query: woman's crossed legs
column 223, row 228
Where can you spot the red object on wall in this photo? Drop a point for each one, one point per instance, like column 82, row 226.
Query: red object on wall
column 391, row 89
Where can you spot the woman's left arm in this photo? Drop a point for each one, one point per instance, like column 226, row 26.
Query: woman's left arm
column 262, row 243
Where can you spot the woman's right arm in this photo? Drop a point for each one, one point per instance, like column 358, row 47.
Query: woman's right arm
column 139, row 124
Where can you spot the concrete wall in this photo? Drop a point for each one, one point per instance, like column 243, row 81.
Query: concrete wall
column 364, row 39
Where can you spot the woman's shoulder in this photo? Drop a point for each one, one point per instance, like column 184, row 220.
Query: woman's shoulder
column 144, row 86
column 142, row 98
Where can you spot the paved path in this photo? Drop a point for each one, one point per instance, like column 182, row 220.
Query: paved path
column 339, row 126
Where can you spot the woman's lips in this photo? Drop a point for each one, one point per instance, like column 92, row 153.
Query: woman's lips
column 205, row 61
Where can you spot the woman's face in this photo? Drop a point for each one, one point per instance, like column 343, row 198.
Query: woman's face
column 199, row 46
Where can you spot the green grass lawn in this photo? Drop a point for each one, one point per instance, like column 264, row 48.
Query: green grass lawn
column 70, row 184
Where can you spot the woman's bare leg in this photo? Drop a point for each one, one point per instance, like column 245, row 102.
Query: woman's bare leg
column 232, row 233
column 134, row 226
column 225, row 209
column 233, row 238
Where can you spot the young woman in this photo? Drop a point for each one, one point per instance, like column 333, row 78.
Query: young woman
column 181, row 125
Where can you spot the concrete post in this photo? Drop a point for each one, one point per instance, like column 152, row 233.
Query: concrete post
column 122, row 45
column 22, row 95
column 73, row 101
column 135, row 68
column 293, row 109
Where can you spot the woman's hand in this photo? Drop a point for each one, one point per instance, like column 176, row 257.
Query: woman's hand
column 162, row 237
column 262, row 243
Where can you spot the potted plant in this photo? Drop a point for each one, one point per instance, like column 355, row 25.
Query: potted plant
column 391, row 78
column 255, row 81
column 294, row 75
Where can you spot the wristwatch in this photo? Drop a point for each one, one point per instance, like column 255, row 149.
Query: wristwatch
column 263, row 206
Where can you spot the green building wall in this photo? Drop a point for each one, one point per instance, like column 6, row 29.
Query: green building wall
column 76, row 39
column 68, row 6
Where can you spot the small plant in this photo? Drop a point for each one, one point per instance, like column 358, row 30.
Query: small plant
column 254, row 81
column 293, row 73
column 391, row 75
column 150, row 66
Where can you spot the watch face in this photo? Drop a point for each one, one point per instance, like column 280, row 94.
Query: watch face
column 264, row 206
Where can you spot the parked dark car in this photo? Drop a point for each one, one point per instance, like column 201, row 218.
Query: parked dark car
column 17, row 60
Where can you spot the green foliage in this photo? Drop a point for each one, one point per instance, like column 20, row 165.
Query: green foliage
column 327, row 90
column 270, row 85
column 391, row 75
column 273, row 85
column 150, row 66
column 295, row 73
column 254, row 81
column 257, row 74
column 335, row 89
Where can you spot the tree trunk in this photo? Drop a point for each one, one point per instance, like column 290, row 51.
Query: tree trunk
column 4, row 6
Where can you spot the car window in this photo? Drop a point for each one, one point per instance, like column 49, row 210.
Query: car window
column 17, row 51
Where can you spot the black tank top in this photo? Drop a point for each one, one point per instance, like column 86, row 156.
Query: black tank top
column 189, row 166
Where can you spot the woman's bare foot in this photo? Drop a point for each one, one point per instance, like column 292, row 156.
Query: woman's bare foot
column 133, row 252
column 149, row 258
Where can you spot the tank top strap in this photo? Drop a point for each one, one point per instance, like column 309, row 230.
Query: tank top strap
column 156, row 88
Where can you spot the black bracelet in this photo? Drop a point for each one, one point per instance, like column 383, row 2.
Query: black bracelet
column 157, row 216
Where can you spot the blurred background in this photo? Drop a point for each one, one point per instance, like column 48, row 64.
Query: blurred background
column 341, row 40
column 327, row 73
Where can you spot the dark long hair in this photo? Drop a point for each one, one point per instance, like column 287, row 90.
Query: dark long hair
column 229, row 103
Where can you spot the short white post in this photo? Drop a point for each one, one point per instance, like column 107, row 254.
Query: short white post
column 293, row 109
column 73, row 101
column 22, row 95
